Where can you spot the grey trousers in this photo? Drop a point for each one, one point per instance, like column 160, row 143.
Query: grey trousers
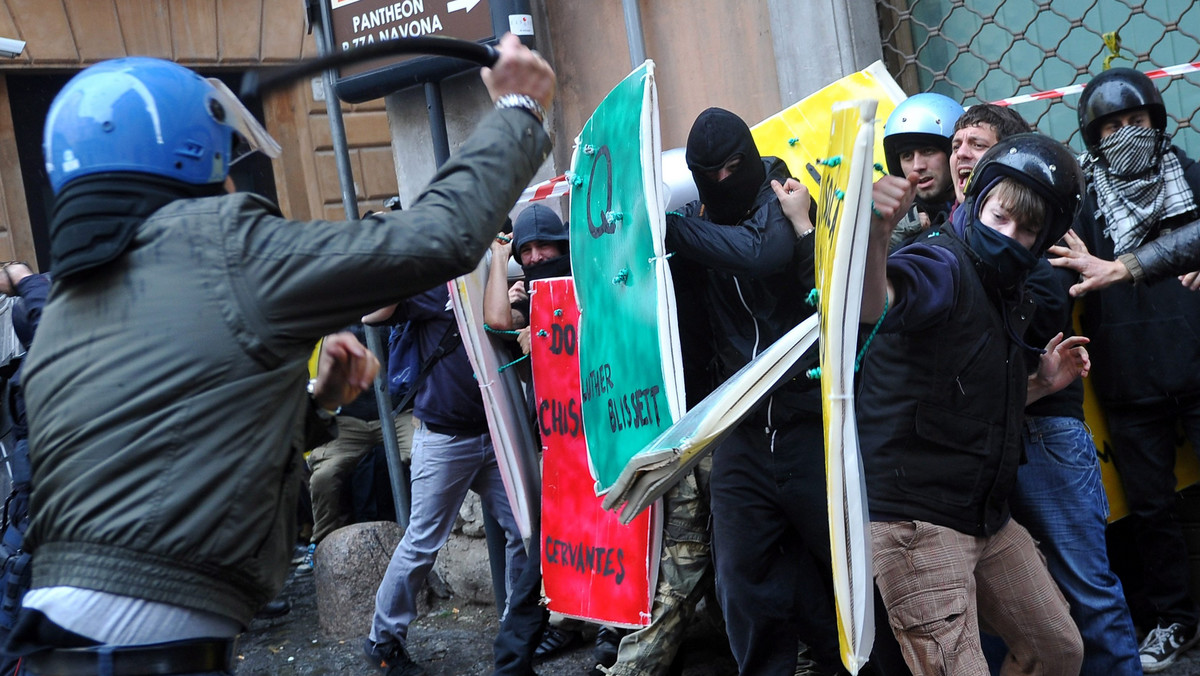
column 444, row 467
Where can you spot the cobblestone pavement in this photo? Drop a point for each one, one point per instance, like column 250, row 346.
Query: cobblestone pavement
column 455, row 641
column 450, row 640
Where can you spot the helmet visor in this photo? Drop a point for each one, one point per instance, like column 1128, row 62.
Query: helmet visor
column 251, row 131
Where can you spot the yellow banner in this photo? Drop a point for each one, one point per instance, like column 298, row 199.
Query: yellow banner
column 800, row 132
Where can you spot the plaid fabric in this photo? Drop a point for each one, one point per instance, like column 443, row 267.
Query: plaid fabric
column 1132, row 198
column 941, row 586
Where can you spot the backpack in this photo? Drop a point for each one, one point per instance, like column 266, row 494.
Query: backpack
column 404, row 361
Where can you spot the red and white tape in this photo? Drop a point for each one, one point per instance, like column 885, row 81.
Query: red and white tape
column 559, row 185
column 1181, row 69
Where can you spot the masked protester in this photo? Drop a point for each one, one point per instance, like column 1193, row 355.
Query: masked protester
column 940, row 408
column 747, row 270
column 1147, row 354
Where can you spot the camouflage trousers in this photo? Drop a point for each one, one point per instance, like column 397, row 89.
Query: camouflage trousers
column 684, row 574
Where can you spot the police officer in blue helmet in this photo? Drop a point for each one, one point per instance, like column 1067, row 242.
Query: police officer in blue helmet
column 166, row 390
column 916, row 139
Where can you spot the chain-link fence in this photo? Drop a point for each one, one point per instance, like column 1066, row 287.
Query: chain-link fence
column 988, row 50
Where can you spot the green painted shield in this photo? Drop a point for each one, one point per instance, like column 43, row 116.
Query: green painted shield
column 622, row 280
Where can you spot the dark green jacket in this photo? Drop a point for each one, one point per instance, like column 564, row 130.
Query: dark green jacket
column 166, row 391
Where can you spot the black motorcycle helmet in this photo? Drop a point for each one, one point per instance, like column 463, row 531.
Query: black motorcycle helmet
column 1114, row 91
column 1043, row 164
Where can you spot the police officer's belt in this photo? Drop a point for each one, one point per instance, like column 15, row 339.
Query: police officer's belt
column 180, row 657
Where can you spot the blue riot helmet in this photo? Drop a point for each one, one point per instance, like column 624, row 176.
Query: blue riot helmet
column 146, row 116
column 920, row 121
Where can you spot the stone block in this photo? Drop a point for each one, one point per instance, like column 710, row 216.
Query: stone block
column 348, row 566
column 463, row 566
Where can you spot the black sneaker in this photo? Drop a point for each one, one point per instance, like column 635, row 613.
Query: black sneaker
column 1164, row 643
column 392, row 659
column 555, row 640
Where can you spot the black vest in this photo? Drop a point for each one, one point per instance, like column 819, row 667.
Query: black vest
column 940, row 410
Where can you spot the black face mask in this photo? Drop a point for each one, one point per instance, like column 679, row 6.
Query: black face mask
column 1004, row 262
column 718, row 136
column 559, row 266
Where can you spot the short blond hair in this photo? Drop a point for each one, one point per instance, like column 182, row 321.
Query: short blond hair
column 1020, row 201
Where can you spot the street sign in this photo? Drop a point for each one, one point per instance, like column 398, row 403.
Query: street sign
column 356, row 23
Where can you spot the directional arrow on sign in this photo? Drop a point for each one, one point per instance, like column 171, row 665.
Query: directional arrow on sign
column 455, row 5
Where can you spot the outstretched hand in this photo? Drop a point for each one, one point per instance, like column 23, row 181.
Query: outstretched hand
column 1094, row 273
column 344, row 370
column 1064, row 361
column 1191, row 280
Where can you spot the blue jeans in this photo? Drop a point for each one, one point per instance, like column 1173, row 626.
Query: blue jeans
column 444, row 467
column 1060, row 499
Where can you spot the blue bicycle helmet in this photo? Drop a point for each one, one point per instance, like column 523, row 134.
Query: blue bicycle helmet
column 920, row 121
column 148, row 116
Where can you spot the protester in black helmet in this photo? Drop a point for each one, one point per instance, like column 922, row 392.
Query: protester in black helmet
column 940, row 407
column 1146, row 350
column 916, row 139
column 1121, row 114
column 166, row 387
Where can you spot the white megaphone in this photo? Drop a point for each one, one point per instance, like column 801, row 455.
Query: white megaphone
column 678, row 186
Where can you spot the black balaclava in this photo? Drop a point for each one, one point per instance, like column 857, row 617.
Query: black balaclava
column 717, row 136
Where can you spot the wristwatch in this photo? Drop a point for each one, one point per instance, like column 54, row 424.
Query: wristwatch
column 322, row 412
column 526, row 103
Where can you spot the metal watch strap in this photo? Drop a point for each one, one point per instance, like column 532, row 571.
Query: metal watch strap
column 322, row 412
column 524, row 102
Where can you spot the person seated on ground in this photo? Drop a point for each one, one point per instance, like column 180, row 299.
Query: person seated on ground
column 333, row 463
column 916, row 138
column 940, row 403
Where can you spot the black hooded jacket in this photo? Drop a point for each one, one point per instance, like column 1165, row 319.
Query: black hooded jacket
column 756, row 279
column 1145, row 337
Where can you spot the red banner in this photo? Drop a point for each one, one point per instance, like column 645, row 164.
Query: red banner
column 592, row 566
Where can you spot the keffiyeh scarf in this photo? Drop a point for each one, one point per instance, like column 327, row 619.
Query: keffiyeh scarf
column 1131, row 196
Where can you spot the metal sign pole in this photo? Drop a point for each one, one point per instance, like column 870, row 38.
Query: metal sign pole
column 437, row 123
column 337, row 129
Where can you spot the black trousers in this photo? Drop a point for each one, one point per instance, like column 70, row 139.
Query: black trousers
column 771, row 547
column 521, row 630
column 1143, row 449
column 772, row 556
